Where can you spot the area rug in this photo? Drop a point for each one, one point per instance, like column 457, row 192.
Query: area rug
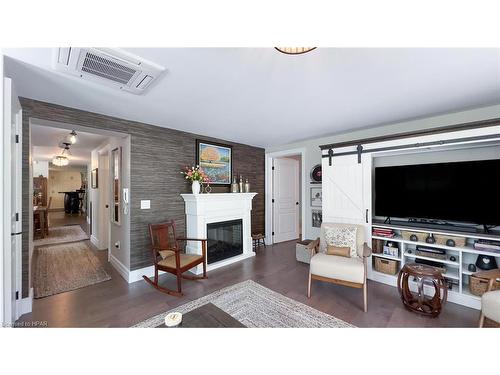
column 67, row 233
column 65, row 267
column 257, row 307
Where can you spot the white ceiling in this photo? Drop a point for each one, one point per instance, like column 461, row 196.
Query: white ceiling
column 261, row 97
column 45, row 142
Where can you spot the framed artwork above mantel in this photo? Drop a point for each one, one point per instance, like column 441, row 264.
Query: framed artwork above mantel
column 216, row 160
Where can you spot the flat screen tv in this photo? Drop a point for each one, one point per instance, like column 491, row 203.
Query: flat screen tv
column 466, row 192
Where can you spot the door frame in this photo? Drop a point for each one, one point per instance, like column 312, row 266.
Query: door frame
column 105, row 152
column 269, row 188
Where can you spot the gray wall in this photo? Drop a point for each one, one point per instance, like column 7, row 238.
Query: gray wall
column 156, row 157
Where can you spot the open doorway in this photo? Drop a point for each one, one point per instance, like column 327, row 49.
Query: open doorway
column 71, row 224
column 285, row 189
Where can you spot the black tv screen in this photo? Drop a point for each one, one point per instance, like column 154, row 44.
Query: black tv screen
column 460, row 191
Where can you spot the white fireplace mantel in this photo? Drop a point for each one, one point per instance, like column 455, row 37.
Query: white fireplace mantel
column 203, row 209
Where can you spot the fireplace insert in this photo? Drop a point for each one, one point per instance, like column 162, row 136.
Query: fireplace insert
column 225, row 240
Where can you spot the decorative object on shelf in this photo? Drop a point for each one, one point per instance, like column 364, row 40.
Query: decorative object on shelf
column 247, row 186
column 173, row 319
column 317, row 218
column 94, row 179
column 377, row 246
column 419, row 302
column 486, row 262
column 208, row 188
column 197, row 176
column 316, row 197
column 316, row 174
column 294, row 50
column 414, row 238
column 450, row 242
column 430, row 239
column 216, row 161
column 391, row 249
column 472, row 267
column 453, row 258
column 487, row 245
column 234, row 186
column 383, row 232
column 240, row 184
column 410, row 251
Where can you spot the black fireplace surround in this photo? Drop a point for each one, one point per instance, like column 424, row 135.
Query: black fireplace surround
column 225, row 240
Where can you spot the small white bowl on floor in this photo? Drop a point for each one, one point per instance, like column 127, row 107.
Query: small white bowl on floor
column 173, row 319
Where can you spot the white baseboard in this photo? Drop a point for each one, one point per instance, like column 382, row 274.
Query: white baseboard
column 95, row 241
column 25, row 305
column 119, row 267
column 136, row 275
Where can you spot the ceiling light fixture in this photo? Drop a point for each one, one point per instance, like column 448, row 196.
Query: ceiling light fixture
column 62, row 160
column 72, row 137
column 294, row 50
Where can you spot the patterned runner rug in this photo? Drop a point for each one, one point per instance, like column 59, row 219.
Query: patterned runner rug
column 65, row 267
column 67, row 233
column 258, row 307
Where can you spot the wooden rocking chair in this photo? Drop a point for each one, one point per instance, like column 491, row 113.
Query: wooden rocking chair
column 169, row 257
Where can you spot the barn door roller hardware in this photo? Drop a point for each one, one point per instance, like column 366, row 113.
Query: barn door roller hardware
column 360, row 150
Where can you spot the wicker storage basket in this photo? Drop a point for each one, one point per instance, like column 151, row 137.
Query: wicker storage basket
column 387, row 266
column 407, row 234
column 442, row 239
column 478, row 286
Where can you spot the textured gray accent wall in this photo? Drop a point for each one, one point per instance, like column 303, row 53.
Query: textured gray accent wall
column 157, row 156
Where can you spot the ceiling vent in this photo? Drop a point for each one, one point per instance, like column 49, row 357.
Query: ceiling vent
column 109, row 66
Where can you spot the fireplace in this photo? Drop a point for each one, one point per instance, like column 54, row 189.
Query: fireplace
column 225, row 240
column 219, row 217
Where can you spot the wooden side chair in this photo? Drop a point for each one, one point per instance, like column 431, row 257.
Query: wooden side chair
column 169, row 256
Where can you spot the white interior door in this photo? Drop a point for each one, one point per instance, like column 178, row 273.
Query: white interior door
column 286, row 199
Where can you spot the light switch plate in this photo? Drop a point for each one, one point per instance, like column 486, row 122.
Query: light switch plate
column 145, row 204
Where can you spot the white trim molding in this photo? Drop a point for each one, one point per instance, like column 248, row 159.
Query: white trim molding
column 25, row 305
column 120, row 267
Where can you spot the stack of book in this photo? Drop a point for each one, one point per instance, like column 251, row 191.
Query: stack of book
column 487, row 245
column 382, row 232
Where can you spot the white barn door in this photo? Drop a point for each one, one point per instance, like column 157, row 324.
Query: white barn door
column 286, row 199
column 347, row 190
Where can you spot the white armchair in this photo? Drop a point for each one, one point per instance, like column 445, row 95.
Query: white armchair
column 347, row 271
column 490, row 301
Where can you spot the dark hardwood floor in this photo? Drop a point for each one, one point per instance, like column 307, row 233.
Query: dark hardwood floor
column 115, row 303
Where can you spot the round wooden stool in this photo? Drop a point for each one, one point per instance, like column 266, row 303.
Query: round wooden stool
column 419, row 302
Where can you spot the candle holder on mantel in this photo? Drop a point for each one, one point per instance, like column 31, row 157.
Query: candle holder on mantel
column 234, row 186
column 247, row 186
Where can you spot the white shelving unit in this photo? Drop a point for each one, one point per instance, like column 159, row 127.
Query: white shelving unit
column 456, row 271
